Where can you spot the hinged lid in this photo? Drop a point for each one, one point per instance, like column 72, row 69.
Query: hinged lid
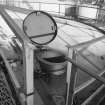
column 40, row 27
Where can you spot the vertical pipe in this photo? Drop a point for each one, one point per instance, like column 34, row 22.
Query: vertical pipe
column 59, row 9
column 28, row 60
column 71, row 76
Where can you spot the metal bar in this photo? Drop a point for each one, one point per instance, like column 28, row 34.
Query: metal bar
column 68, row 75
column 42, row 35
column 69, row 65
column 89, row 83
column 12, row 87
column 87, row 43
column 14, row 27
column 13, row 77
column 17, row 9
column 94, row 75
column 28, row 63
column 94, row 65
column 71, row 82
column 83, row 49
column 69, row 46
column 13, row 81
column 27, row 55
column 59, row 9
column 28, row 67
column 102, row 37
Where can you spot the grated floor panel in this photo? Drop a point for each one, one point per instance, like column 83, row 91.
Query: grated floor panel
column 5, row 92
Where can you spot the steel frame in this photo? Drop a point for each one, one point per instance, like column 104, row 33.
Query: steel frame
column 84, row 44
column 28, row 61
column 11, row 78
column 28, row 58
column 71, row 77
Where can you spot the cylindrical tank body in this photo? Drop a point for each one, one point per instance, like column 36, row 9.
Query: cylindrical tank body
column 52, row 62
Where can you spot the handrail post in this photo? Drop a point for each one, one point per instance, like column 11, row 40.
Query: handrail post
column 28, row 60
column 28, row 57
column 71, row 77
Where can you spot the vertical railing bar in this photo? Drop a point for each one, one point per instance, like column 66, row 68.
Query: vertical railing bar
column 59, row 8
column 71, row 70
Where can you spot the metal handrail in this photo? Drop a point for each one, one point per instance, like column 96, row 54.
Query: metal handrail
column 40, row 4
column 12, row 75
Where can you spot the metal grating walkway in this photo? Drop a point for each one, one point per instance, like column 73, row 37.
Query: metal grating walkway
column 5, row 93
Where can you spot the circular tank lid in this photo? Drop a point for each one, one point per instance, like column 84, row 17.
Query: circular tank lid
column 40, row 27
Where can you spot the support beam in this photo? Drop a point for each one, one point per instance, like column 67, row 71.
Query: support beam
column 14, row 27
column 83, row 49
column 89, row 61
column 94, row 75
column 93, row 64
column 71, row 76
column 11, row 73
column 16, row 9
column 87, row 43
column 27, row 55
column 28, row 58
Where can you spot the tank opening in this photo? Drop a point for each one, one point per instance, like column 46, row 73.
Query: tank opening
column 57, row 59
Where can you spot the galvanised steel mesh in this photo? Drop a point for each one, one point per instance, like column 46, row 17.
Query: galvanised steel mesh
column 5, row 93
